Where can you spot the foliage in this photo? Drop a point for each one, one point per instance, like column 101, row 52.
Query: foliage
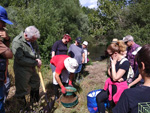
column 54, row 18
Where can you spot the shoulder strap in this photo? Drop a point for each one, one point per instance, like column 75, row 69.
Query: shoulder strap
column 122, row 60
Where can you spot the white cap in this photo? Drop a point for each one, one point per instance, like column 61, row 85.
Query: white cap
column 136, row 51
column 85, row 43
column 71, row 64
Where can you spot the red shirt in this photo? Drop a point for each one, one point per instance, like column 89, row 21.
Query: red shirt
column 58, row 62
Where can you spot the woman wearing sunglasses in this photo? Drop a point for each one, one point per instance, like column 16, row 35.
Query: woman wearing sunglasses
column 118, row 70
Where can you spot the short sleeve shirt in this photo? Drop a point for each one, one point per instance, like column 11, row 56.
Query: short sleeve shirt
column 60, row 48
column 128, row 102
column 76, row 52
column 125, row 66
column 131, row 57
column 86, row 53
column 58, row 62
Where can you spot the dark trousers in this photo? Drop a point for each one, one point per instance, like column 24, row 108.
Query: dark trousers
column 102, row 97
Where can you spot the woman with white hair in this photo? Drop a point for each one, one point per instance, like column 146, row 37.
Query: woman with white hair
column 26, row 58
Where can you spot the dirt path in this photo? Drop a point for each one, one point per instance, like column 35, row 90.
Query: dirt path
column 93, row 78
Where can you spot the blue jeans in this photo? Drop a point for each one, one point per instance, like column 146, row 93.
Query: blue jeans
column 79, row 68
column 2, row 110
column 6, row 88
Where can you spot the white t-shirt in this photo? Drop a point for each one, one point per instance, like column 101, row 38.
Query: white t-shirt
column 86, row 53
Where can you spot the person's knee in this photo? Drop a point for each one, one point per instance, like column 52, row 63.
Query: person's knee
column 98, row 98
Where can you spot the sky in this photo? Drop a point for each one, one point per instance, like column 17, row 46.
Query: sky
column 89, row 3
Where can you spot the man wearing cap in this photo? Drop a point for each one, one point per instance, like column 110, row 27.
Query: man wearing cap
column 60, row 46
column 132, row 46
column 76, row 51
column 62, row 64
column 26, row 53
column 5, row 54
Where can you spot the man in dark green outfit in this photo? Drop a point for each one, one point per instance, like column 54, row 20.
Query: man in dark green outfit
column 26, row 58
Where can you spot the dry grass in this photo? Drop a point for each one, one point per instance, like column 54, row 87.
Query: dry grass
column 93, row 78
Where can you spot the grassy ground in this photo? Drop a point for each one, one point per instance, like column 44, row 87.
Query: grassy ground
column 93, row 78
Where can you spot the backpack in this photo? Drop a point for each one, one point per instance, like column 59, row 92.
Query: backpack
column 130, row 74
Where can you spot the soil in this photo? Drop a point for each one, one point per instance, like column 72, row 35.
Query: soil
column 68, row 99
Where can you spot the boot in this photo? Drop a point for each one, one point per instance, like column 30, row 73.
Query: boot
column 34, row 96
column 21, row 102
column 56, row 92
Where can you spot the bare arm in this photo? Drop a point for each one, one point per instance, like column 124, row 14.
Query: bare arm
column 58, row 79
column 71, row 76
column 117, row 75
column 53, row 54
column 7, row 54
column 83, row 58
column 135, row 81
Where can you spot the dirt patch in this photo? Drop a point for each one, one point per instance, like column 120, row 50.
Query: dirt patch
column 68, row 99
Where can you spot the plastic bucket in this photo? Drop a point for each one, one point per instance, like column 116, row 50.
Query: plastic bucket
column 91, row 101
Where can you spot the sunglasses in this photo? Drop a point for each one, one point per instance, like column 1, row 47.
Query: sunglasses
column 111, row 54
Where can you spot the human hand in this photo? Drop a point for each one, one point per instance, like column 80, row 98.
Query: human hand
column 63, row 89
column 4, row 35
column 121, row 80
column 70, row 83
column 39, row 62
column 129, row 85
column 113, row 61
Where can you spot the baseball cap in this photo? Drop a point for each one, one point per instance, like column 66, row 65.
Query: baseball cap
column 128, row 38
column 79, row 39
column 71, row 64
column 3, row 15
column 85, row 43
column 67, row 37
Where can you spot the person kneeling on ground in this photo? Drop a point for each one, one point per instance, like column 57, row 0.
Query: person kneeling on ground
column 116, row 83
column 61, row 65
column 131, row 98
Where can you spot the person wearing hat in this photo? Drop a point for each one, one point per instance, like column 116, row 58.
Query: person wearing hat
column 60, row 46
column 26, row 59
column 5, row 54
column 115, row 40
column 61, row 65
column 86, row 53
column 132, row 46
column 76, row 51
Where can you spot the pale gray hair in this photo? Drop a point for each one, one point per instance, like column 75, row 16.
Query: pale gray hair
column 32, row 31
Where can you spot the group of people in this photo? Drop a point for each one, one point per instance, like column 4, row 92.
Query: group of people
column 64, row 63
column 123, row 54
